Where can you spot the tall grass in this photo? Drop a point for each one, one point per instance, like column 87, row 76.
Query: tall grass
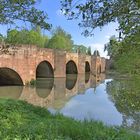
column 22, row 121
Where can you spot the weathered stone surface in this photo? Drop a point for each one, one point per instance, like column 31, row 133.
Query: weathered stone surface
column 25, row 59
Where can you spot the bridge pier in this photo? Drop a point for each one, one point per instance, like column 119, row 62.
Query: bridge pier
column 81, row 63
column 93, row 65
column 59, row 64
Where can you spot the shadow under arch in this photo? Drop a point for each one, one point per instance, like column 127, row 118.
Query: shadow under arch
column 71, row 80
column 44, row 70
column 9, row 77
column 44, row 79
column 87, row 67
column 71, row 68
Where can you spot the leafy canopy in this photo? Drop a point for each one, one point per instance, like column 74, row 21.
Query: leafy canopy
column 113, row 47
column 24, row 36
column 97, row 13
column 125, row 53
column 96, row 53
column 60, row 40
column 81, row 49
column 13, row 10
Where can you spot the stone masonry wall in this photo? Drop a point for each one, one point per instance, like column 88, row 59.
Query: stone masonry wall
column 24, row 60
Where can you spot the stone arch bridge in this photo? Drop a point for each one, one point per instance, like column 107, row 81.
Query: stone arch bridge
column 20, row 64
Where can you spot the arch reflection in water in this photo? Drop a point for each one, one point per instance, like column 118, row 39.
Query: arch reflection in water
column 11, row 92
column 44, row 86
column 71, row 80
column 55, row 93
column 9, row 77
column 87, row 77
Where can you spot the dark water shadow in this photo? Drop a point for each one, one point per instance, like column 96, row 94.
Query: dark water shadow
column 87, row 77
column 71, row 80
column 44, row 86
column 11, row 92
column 9, row 77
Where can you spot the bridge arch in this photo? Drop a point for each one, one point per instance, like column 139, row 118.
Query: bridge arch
column 71, row 67
column 44, row 70
column 9, row 76
column 87, row 67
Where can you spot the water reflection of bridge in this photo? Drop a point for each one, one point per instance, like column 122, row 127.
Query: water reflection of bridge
column 60, row 90
column 53, row 92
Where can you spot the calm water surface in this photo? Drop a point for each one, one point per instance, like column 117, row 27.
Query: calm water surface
column 112, row 101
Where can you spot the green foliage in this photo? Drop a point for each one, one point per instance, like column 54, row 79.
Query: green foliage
column 96, row 53
column 26, row 37
column 113, row 47
column 60, row 40
column 79, row 49
column 33, row 82
column 97, row 13
column 2, row 38
column 128, row 62
column 19, row 120
column 125, row 54
column 89, row 51
column 13, row 10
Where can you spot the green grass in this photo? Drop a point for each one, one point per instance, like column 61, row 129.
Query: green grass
column 22, row 121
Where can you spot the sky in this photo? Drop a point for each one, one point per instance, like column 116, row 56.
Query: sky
column 56, row 18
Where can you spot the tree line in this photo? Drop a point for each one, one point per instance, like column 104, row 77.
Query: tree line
column 60, row 40
column 91, row 14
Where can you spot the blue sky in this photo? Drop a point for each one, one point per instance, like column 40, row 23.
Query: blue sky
column 52, row 7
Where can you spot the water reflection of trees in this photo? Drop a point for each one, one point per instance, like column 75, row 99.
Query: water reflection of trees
column 125, row 93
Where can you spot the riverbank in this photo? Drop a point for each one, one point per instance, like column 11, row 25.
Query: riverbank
column 20, row 120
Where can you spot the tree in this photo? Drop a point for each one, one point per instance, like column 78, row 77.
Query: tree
column 96, row 53
column 13, row 10
column 80, row 49
column 112, row 47
column 97, row 13
column 60, row 40
column 89, row 51
column 2, row 38
column 26, row 37
column 125, row 54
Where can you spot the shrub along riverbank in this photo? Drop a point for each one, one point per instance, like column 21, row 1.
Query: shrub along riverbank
column 20, row 120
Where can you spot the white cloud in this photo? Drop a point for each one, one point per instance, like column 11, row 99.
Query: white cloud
column 107, row 36
column 60, row 12
column 100, row 48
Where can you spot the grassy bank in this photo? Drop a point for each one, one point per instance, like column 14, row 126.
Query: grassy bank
column 19, row 120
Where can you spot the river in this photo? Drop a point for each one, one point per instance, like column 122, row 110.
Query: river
column 113, row 101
